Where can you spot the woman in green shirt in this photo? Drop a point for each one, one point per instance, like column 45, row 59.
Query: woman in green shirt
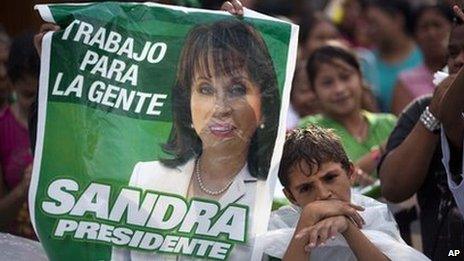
column 335, row 77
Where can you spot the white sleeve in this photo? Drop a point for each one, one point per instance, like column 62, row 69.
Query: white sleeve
column 456, row 189
column 134, row 178
column 394, row 249
column 381, row 229
column 120, row 254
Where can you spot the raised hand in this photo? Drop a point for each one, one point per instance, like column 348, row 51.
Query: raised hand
column 234, row 7
column 43, row 30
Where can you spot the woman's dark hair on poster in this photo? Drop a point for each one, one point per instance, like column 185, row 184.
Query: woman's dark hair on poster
column 221, row 48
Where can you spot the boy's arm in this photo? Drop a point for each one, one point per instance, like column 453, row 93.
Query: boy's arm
column 318, row 217
column 309, row 234
column 296, row 249
column 361, row 246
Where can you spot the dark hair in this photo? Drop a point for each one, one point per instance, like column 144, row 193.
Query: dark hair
column 313, row 145
column 307, row 25
column 442, row 9
column 393, row 8
column 327, row 54
column 220, row 48
column 4, row 38
column 23, row 59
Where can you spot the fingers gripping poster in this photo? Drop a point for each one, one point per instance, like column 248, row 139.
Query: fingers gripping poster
column 160, row 131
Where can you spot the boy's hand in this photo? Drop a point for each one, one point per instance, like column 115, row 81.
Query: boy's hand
column 234, row 7
column 319, row 233
column 322, row 209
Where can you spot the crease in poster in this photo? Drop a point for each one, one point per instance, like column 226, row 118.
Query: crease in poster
column 160, row 130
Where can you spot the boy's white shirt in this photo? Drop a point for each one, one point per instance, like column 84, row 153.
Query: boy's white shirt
column 380, row 228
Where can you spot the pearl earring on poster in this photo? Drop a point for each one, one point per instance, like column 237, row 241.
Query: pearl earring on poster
column 262, row 126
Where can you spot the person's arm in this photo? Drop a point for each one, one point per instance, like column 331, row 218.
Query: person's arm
column 296, row 249
column 404, row 169
column 308, row 236
column 401, row 98
column 361, row 178
column 10, row 202
column 361, row 246
column 323, row 213
column 368, row 162
column 452, row 106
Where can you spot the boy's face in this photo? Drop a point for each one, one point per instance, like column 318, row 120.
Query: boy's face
column 330, row 182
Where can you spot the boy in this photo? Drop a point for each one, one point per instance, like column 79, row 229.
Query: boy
column 315, row 173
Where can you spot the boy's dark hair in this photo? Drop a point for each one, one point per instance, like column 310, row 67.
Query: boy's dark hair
column 313, row 145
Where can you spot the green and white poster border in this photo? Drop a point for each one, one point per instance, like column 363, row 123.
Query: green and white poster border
column 265, row 189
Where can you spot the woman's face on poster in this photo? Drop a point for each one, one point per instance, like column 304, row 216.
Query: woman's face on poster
column 226, row 108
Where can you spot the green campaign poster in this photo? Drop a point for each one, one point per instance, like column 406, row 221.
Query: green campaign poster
column 160, row 131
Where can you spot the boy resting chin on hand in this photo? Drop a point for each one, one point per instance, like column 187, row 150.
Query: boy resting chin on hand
column 327, row 221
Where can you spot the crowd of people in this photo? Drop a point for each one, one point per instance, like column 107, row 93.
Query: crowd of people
column 384, row 75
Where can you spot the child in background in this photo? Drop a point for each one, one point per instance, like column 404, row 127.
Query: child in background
column 335, row 76
column 15, row 149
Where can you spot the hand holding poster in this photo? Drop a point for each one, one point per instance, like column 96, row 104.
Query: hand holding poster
column 160, row 130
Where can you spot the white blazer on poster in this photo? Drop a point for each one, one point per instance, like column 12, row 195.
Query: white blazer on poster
column 153, row 175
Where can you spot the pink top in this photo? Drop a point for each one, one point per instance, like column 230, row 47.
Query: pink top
column 15, row 150
column 15, row 156
column 418, row 81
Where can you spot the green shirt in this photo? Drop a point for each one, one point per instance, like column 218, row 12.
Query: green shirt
column 380, row 127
